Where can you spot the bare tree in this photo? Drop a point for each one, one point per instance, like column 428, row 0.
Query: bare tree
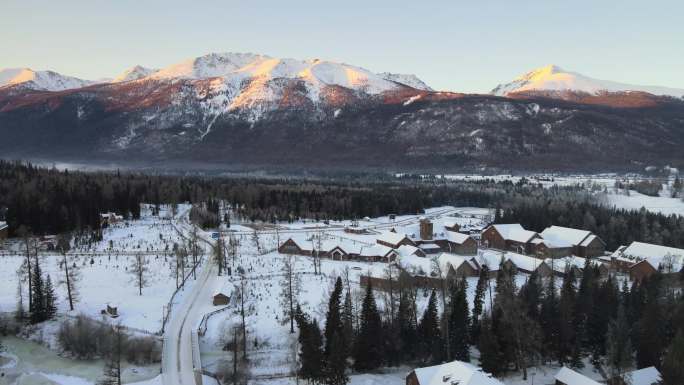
column 233, row 244
column 290, row 287
column 178, row 267
column 139, row 269
column 220, row 254
column 256, row 240
column 437, row 268
column 194, row 248
column 242, row 294
column 71, row 274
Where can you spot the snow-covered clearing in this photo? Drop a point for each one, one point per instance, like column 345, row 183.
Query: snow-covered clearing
column 663, row 204
column 105, row 274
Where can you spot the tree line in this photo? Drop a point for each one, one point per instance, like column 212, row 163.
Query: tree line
column 49, row 201
column 570, row 321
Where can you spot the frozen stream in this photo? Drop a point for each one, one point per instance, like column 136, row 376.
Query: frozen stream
column 29, row 363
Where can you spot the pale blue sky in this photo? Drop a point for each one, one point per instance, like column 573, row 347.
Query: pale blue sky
column 468, row 46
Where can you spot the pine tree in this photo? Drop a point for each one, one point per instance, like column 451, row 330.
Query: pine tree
column 348, row 319
column 651, row 340
column 50, row 299
column 368, row 353
column 569, row 349
column 333, row 320
column 430, row 338
column 336, row 348
column 490, row 354
column 336, row 363
column 549, row 320
column 37, row 309
column 672, row 370
column 310, row 348
column 478, row 302
column 531, row 294
column 618, row 345
column 584, row 303
column 408, row 324
column 604, row 309
column 458, row 322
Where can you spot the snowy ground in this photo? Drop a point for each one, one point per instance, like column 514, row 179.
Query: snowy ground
column 663, row 204
column 271, row 346
column 29, row 363
column 106, row 277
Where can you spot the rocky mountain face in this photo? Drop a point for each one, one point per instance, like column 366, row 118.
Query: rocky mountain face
column 250, row 110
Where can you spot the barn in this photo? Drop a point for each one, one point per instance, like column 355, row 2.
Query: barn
column 458, row 243
column 669, row 258
column 584, row 243
column 394, row 240
column 511, row 237
column 290, row 246
column 456, row 266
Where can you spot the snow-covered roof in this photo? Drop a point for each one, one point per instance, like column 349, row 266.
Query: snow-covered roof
column 514, row 232
column 375, row 250
column 458, row 238
column 561, row 264
column 415, row 265
column 406, row 250
column 445, row 260
column 224, row 287
column 489, row 258
column 429, row 246
column 449, row 223
column 565, row 235
column 654, row 254
column 3, row 225
column 588, row 240
column 524, row 262
column 645, row 376
column 455, row 372
column 571, row 377
column 391, row 237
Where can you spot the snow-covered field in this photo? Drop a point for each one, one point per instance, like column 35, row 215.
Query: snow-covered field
column 663, row 204
column 106, row 276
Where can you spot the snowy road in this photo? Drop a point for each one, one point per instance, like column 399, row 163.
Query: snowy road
column 177, row 357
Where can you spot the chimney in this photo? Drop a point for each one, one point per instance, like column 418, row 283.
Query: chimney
column 425, row 229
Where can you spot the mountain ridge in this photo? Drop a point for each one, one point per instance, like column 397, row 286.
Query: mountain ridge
column 552, row 78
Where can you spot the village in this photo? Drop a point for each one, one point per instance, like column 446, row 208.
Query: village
column 427, row 250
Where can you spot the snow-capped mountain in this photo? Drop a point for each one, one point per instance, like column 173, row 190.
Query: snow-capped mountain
column 234, row 68
column 39, row 80
column 134, row 73
column 410, row 80
column 553, row 78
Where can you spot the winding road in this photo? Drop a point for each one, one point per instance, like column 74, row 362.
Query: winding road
column 179, row 355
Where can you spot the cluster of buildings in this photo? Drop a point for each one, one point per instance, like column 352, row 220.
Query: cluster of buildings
column 465, row 373
column 446, row 251
column 387, row 246
column 553, row 242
